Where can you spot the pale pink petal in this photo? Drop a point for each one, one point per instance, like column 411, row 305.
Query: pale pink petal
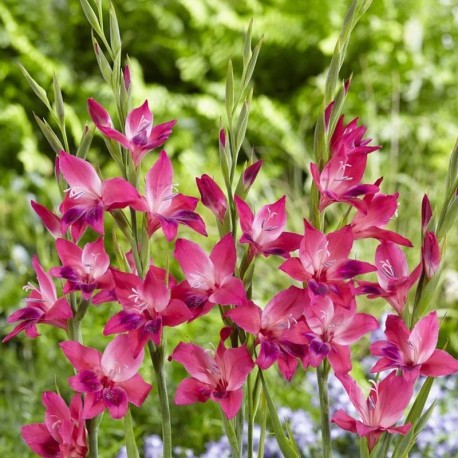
column 138, row 119
column 424, row 337
column 360, row 324
column 159, row 182
column 117, row 360
column 195, row 263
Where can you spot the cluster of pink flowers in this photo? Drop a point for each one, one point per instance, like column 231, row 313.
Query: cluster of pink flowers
column 315, row 319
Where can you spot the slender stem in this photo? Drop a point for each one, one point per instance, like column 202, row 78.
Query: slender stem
column 251, row 414
column 157, row 358
column 231, row 436
column 75, row 326
column 322, row 378
column 262, row 436
column 92, row 431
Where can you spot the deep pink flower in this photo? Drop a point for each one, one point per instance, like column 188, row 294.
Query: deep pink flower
column 394, row 281
column 331, row 330
column 88, row 196
column 140, row 135
column 43, row 306
column 63, row 434
column 324, row 258
column 370, row 223
column 212, row 276
column 212, row 196
column 276, row 329
column 264, row 232
column 414, row 352
column 164, row 207
column 340, row 179
column 426, row 213
column 147, row 307
column 380, row 411
column 110, row 380
column 249, row 175
column 219, row 378
column 84, row 269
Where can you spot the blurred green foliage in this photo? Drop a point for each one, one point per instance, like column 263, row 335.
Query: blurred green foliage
column 403, row 63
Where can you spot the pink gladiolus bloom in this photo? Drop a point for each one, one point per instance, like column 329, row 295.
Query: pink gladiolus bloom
column 277, row 329
column 370, row 223
column 324, row 258
column 147, row 307
column 212, row 276
column 43, row 306
column 414, row 352
column 380, row 412
column 110, row 380
column 340, row 179
column 140, row 136
column 430, row 254
column 331, row 331
column 394, row 281
column 88, row 196
column 264, row 232
column 84, row 269
column 50, row 220
column 212, row 196
column 63, row 434
column 219, row 378
column 165, row 208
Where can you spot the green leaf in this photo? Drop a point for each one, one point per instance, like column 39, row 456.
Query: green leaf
column 131, row 446
column 248, row 71
column 420, row 401
column 240, row 130
column 59, row 102
column 363, row 448
column 91, row 16
column 247, row 44
column 39, row 91
column 104, row 66
column 229, row 91
column 52, row 138
column 115, row 36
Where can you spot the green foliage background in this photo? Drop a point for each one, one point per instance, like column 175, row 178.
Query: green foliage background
column 403, row 61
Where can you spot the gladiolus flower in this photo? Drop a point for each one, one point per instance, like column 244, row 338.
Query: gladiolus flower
column 219, row 378
column 63, row 434
column 43, row 306
column 414, row 352
column 264, row 232
column 140, row 136
column 212, row 196
column 110, row 380
column 430, row 254
column 380, row 411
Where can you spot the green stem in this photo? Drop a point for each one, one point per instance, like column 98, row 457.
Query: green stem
column 75, row 326
column 92, row 432
column 322, row 378
column 263, row 425
column 250, row 416
column 230, row 433
column 157, row 358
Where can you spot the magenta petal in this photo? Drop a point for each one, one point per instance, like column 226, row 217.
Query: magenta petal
column 245, row 215
column 361, row 324
column 49, row 219
column 138, row 120
column 98, row 114
column 230, row 403
column 230, row 292
column 115, row 135
column 340, row 359
column 137, row 389
column 344, row 421
column 119, row 193
column 81, row 357
column 196, row 361
column 93, row 405
column 86, row 381
column 190, row 391
column 440, row 363
column 38, row 438
column 80, row 174
column 237, row 364
column 287, row 365
column 247, row 316
column 224, row 257
column 116, row 402
column 176, row 313
column 294, row 268
column 268, row 355
column 122, row 322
